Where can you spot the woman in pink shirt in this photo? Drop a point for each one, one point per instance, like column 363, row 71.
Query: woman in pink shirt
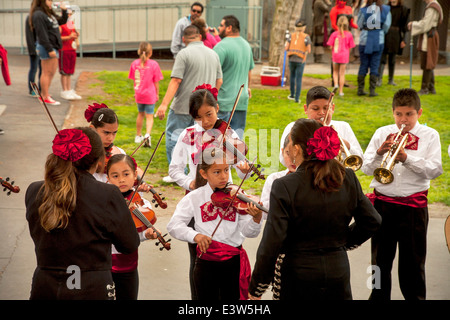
column 208, row 39
column 146, row 75
column 341, row 42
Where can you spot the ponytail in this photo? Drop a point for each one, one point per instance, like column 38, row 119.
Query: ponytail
column 59, row 193
column 145, row 51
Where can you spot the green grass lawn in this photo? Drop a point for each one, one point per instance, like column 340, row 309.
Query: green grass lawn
column 269, row 112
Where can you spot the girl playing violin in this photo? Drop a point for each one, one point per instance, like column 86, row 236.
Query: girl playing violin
column 105, row 121
column 203, row 108
column 221, row 267
column 121, row 172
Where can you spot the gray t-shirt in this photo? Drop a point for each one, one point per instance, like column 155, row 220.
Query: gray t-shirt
column 195, row 65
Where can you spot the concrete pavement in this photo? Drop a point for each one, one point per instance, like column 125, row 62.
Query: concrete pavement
column 163, row 274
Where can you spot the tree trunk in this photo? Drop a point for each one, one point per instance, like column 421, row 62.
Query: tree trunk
column 286, row 12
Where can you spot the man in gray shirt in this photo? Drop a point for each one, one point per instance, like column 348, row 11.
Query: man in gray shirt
column 194, row 65
column 177, row 42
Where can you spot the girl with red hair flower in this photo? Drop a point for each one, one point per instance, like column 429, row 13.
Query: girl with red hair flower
column 74, row 219
column 309, row 220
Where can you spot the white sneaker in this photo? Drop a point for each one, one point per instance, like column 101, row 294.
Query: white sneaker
column 168, row 179
column 66, row 95
column 75, row 95
column 148, row 142
column 138, row 139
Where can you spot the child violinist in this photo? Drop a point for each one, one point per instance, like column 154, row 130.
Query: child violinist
column 105, row 121
column 122, row 172
column 203, row 108
column 402, row 203
column 218, row 272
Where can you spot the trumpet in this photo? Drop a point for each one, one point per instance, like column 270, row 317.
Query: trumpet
column 383, row 174
column 351, row 161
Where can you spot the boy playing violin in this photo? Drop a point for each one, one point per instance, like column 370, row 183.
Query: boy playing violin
column 402, row 203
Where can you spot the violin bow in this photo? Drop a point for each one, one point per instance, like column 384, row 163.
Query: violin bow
column 232, row 112
column 148, row 164
column 143, row 141
column 44, row 105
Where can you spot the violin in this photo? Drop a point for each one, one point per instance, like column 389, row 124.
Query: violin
column 9, row 186
column 144, row 218
column 235, row 148
column 223, row 197
column 157, row 198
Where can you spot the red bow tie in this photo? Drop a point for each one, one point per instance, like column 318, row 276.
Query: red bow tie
column 210, row 212
column 412, row 143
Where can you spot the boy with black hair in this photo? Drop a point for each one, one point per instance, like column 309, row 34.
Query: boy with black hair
column 403, row 202
column 316, row 108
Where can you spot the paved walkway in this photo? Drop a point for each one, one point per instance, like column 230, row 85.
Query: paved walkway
column 163, row 275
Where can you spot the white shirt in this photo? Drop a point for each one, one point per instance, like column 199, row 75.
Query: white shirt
column 343, row 129
column 265, row 194
column 415, row 173
column 232, row 233
column 181, row 157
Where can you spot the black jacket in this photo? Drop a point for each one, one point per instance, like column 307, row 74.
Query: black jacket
column 47, row 29
column 101, row 218
column 302, row 218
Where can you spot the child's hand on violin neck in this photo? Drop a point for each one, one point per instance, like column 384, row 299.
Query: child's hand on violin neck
column 150, row 234
column 243, row 166
column 203, row 242
column 254, row 212
column 144, row 187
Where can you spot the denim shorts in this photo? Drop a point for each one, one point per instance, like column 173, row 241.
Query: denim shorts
column 43, row 54
column 147, row 108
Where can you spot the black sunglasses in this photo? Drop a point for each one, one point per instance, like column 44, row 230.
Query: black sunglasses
column 196, row 11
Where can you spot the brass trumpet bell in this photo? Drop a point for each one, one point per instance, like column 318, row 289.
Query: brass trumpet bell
column 353, row 162
column 383, row 174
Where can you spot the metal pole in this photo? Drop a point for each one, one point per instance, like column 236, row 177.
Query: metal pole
column 411, row 44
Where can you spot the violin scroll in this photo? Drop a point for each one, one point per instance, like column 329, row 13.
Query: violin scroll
column 157, row 198
column 9, row 186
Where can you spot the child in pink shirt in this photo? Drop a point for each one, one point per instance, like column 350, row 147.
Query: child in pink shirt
column 341, row 42
column 146, row 75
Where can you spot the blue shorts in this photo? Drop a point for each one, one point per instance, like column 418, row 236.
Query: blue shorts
column 147, row 108
column 43, row 54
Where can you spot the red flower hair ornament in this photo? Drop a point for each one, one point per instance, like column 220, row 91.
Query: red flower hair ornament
column 325, row 144
column 208, row 87
column 91, row 110
column 71, row 144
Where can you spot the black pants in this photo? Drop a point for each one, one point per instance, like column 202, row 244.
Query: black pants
column 316, row 275
column 407, row 227
column 127, row 285
column 217, row 280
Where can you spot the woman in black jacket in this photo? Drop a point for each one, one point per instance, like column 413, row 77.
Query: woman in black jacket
column 44, row 22
column 74, row 219
column 309, row 220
